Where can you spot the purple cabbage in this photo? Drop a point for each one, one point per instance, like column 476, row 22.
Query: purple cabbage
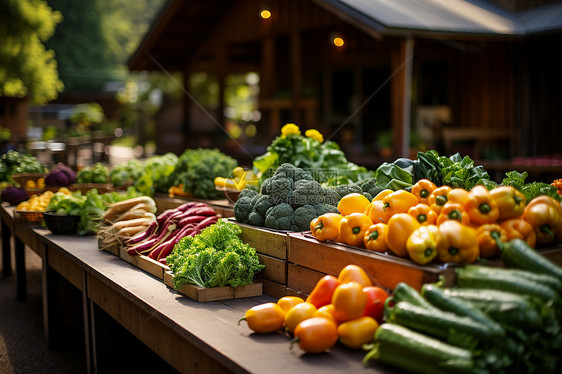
column 60, row 175
column 14, row 195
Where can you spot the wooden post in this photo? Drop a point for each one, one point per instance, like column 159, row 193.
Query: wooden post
column 401, row 66
column 296, row 64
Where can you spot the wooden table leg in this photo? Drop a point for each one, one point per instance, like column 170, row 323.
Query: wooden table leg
column 88, row 325
column 21, row 281
column 51, row 321
column 6, row 250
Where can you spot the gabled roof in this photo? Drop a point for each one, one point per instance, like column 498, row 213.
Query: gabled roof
column 183, row 25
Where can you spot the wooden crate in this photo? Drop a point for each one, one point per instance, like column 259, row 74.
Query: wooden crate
column 315, row 259
column 216, row 293
column 131, row 259
column 151, row 266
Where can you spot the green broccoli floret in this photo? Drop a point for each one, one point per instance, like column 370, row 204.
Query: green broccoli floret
column 325, row 208
column 279, row 188
column 262, row 204
column 370, row 185
column 256, row 219
column 307, row 192
column 279, row 217
column 245, row 205
column 331, row 197
column 346, row 189
column 302, row 217
column 368, row 196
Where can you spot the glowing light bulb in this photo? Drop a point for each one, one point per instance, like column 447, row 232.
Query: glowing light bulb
column 265, row 13
column 338, row 41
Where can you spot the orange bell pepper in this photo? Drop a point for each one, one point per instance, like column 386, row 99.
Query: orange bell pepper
column 376, row 212
column 422, row 189
column 375, row 237
column 423, row 214
column 481, row 208
column 488, row 236
column 349, row 301
column 510, row 201
column 399, row 202
column 453, row 211
column 422, row 244
column 354, row 273
column 326, row 311
column 353, row 203
column 400, row 226
column 545, row 219
column 520, row 229
column 458, row 195
column 353, row 227
column 457, row 243
column 323, row 290
column 438, row 198
column 326, row 227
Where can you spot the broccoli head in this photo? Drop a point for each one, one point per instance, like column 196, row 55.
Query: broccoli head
column 256, row 219
column 262, row 204
column 325, row 208
column 307, row 192
column 279, row 188
column 279, row 217
column 370, row 185
column 302, row 217
column 331, row 197
column 346, row 189
column 368, row 196
column 245, row 205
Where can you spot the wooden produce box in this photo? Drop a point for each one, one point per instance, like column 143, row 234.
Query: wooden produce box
column 224, row 208
column 310, row 259
column 272, row 250
column 151, row 266
column 131, row 259
column 213, row 294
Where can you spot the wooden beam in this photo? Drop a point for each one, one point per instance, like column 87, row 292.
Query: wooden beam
column 401, row 67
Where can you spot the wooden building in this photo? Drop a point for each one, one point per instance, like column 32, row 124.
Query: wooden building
column 480, row 74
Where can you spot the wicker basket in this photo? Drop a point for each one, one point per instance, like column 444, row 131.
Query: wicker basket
column 29, row 216
column 22, row 178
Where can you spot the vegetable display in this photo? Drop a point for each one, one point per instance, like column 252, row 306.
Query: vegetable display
column 14, row 195
column 13, row 162
column 169, row 228
column 97, row 173
column 60, row 175
column 216, row 257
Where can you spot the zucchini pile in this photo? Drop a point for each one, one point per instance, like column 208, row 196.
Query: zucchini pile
column 495, row 320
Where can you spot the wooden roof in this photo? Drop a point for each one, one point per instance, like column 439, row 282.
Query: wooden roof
column 183, row 27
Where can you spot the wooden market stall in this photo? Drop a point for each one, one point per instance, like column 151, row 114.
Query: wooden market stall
column 424, row 67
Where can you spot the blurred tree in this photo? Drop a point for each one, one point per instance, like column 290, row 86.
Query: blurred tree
column 27, row 68
column 96, row 37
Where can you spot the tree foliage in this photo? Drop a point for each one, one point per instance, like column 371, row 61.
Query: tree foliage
column 27, row 68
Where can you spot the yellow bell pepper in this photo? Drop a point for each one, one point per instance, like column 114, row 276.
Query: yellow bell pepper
column 399, row 202
column 357, row 332
column 423, row 214
column 400, row 226
column 422, row 189
column 438, row 198
column 326, row 227
column 488, row 235
column 375, row 237
column 453, row 211
column 480, row 206
column 353, row 203
column 376, row 212
column 510, row 201
column 422, row 244
column 353, row 227
column 457, row 243
column 520, row 229
column 545, row 219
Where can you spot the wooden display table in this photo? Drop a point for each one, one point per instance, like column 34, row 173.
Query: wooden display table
column 190, row 336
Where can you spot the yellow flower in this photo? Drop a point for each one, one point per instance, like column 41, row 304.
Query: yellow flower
column 290, row 129
column 314, row 134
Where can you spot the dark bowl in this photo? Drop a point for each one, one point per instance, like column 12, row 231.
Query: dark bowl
column 61, row 224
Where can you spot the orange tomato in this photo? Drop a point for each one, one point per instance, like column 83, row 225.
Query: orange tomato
column 316, row 335
column 349, row 301
column 287, row 302
column 297, row 314
column 354, row 273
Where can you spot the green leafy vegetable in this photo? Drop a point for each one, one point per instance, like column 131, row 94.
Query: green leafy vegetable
column 216, row 257
column 530, row 190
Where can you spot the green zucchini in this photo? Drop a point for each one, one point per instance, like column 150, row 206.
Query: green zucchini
column 506, row 308
column 473, row 276
column 403, row 348
column 441, row 325
column 405, row 292
column 518, row 254
column 547, row 280
column 436, row 296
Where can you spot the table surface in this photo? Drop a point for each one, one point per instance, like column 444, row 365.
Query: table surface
column 211, row 326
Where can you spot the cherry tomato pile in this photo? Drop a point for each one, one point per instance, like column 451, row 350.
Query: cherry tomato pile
column 444, row 223
column 347, row 309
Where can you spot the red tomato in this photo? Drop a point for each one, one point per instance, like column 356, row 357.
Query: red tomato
column 376, row 297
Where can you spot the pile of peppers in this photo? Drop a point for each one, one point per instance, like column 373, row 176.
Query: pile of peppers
column 347, row 309
column 452, row 225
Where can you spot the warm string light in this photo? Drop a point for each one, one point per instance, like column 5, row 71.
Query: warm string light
column 265, row 13
column 336, row 39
